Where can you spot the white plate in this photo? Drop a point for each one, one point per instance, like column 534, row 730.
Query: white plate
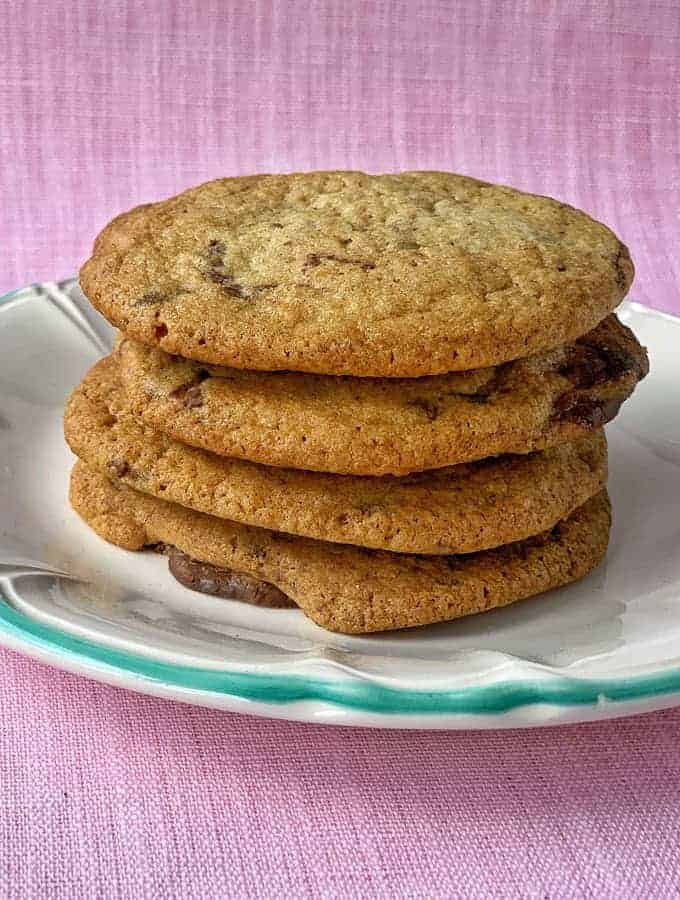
column 607, row 646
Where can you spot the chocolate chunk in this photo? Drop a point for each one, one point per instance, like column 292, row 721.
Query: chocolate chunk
column 119, row 467
column 216, row 248
column 218, row 272
column 159, row 547
column 229, row 286
column 193, row 397
column 160, row 331
column 430, row 409
column 190, row 392
column 219, row 582
column 591, row 364
column 179, row 393
column 584, row 411
column 584, row 367
column 618, row 362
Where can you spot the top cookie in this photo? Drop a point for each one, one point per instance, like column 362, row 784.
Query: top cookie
column 344, row 273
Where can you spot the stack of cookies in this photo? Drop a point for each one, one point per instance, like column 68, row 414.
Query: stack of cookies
column 377, row 398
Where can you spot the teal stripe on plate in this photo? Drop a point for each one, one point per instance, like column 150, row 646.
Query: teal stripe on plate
column 352, row 693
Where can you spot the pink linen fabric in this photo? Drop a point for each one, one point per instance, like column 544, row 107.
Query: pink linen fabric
column 105, row 105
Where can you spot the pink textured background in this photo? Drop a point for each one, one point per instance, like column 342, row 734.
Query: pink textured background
column 104, row 105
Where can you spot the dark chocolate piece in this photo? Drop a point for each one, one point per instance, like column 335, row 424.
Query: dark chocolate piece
column 208, row 579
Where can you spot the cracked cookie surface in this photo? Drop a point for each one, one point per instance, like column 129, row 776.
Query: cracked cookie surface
column 399, row 275
column 365, row 426
column 453, row 510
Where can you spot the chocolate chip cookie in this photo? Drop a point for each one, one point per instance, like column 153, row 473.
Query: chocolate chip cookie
column 365, row 426
column 452, row 510
column 400, row 275
column 349, row 589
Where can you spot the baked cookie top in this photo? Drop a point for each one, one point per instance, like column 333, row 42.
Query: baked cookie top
column 453, row 510
column 351, row 589
column 367, row 426
column 408, row 274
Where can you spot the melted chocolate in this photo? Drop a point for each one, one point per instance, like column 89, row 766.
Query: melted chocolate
column 218, row 582
column 591, row 364
column 584, row 411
